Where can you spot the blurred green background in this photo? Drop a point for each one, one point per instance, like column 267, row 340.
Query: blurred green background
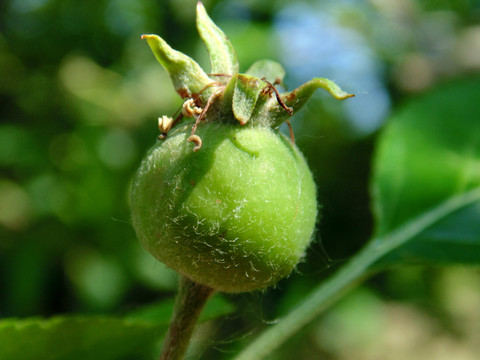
column 79, row 97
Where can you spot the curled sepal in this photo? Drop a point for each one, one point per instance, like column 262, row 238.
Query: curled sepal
column 297, row 98
column 245, row 95
column 272, row 71
column 300, row 95
column 223, row 57
column 187, row 76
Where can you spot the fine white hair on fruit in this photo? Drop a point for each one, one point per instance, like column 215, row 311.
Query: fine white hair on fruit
column 214, row 215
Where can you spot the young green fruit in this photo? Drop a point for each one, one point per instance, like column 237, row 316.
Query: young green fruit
column 238, row 212
column 236, row 215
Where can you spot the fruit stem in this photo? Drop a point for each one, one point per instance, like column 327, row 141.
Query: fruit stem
column 189, row 303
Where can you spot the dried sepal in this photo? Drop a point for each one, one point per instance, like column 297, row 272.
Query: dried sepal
column 164, row 125
column 197, row 141
column 189, row 109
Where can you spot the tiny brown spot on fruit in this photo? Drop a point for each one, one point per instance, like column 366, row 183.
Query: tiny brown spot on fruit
column 193, row 183
column 248, row 81
column 218, row 201
column 291, row 96
column 184, row 93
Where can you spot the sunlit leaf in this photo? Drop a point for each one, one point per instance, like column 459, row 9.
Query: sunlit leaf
column 428, row 162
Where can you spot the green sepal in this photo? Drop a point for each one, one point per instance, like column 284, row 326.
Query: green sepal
column 226, row 101
column 272, row 71
column 223, row 58
column 297, row 98
column 245, row 95
column 251, row 97
column 187, row 76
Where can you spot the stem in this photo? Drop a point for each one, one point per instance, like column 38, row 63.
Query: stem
column 355, row 270
column 189, row 303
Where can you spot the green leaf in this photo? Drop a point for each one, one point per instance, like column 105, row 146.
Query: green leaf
column 223, row 58
column 72, row 338
column 428, row 155
column 245, row 95
column 268, row 69
column 187, row 76
column 97, row 337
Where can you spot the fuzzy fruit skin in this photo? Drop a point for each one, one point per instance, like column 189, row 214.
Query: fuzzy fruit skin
column 237, row 215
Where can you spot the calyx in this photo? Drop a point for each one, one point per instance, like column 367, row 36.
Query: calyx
column 242, row 98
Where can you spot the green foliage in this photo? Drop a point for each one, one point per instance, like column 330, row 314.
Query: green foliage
column 135, row 336
column 78, row 338
column 429, row 157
